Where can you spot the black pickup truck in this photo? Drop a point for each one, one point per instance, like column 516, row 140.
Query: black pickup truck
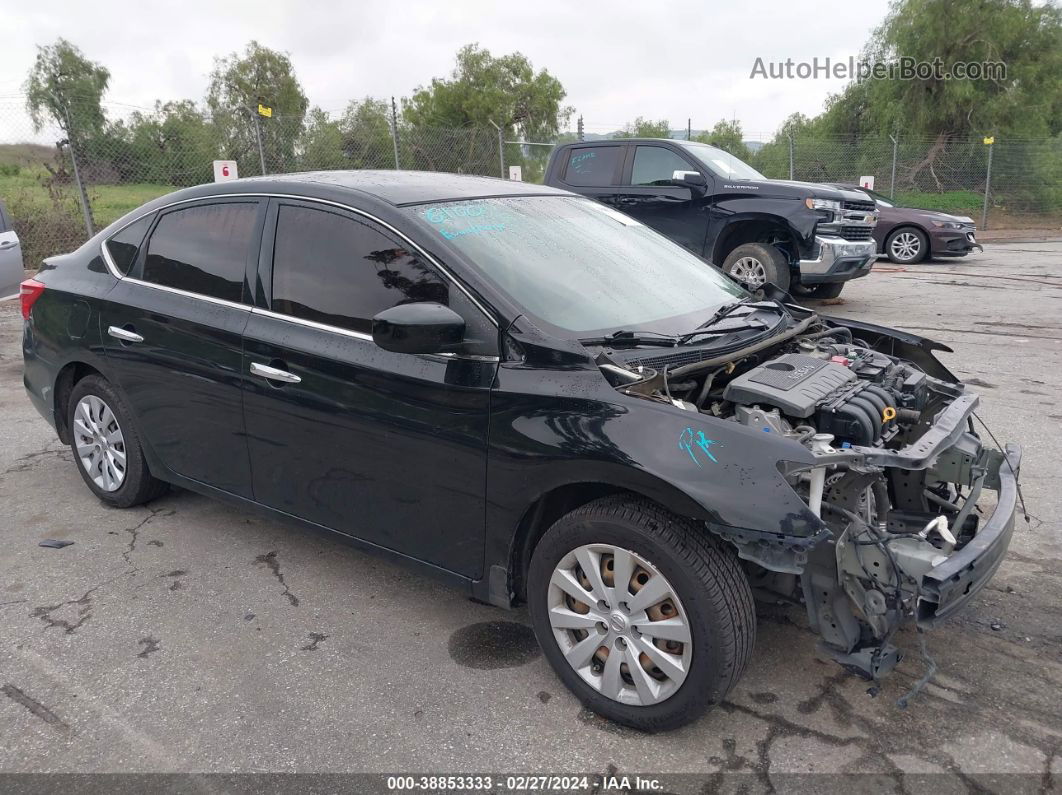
column 806, row 238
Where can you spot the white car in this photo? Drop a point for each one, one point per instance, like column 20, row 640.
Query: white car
column 10, row 257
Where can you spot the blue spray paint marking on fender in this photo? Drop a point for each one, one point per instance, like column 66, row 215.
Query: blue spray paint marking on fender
column 690, row 439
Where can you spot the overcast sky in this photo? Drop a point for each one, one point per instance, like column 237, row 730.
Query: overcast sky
column 616, row 60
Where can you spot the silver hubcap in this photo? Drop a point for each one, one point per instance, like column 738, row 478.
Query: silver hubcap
column 99, row 442
column 620, row 624
column 750, row 271
column 905, row 245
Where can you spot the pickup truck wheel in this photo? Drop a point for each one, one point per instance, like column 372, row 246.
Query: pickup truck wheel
column 818, row 291
column 907, row 245
column 754, row 264
column 106, row 446
column 644, row 616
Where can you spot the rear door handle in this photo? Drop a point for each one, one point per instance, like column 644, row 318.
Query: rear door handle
column 7, row 244
column 125, row 335
column 274, row 374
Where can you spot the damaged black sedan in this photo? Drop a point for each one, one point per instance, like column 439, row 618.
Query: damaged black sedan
column 534, row 398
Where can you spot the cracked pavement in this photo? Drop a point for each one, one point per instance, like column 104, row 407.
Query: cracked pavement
column 187, row 636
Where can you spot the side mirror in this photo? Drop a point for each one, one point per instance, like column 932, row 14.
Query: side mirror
column 417, row 328
column 694, row 180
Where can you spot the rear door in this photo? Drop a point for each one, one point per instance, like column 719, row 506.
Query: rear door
column 385, row 447
column 172, row 330
column 593, row 170
column 10, row 256
column 648, row 195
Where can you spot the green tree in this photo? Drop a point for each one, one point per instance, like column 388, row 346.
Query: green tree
column 238, row 84
column 644, row 128
column 366, row 134
column 484, row 89
column 67, row 88
column 173, row 145
column 727, row 135
column 321, row 144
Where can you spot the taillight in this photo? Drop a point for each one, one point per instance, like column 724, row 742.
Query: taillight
column 28, row 292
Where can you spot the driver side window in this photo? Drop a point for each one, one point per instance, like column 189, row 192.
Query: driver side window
column 655, row 165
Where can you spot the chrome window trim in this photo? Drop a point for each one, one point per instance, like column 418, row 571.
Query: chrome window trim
column 187, row 294
column 117, row 274
column 358, row 335
column 442, row 268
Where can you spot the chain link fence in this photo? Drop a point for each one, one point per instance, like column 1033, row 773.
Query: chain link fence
column 59, row 184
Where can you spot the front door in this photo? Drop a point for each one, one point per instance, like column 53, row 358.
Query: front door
column 649, row 196
column 172, row 337
column 389, row 448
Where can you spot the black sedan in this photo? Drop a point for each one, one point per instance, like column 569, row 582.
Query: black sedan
column 534, row 398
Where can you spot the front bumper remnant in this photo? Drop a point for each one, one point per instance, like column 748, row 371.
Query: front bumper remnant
column 946, row 588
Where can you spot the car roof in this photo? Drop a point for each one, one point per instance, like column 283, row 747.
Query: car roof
column 406, row 187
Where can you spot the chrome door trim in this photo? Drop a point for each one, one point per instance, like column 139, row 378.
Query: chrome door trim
column 187, row 294
column 358, row 335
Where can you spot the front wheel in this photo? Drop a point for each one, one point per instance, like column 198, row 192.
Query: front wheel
column 907, row 246
column 755, row 264
column 644, row 616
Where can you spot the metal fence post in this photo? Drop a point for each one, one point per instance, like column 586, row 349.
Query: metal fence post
column 988, row 182
column 790, row 137
column 258, row 138
column 86, row 208
column 892, row 182
column 394, row 130
column 501, row 149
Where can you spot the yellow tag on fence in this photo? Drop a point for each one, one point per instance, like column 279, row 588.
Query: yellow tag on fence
column 268, row 112
column 990, row 140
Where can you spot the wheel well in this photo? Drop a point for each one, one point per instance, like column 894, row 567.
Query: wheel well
column 902, row 227
column 64, row 386
column 541, row 516
column 756, row 230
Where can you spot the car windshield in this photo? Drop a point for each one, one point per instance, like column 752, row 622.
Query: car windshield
column 578, row 266
column 721, row 162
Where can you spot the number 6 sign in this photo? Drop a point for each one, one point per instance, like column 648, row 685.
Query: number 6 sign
column 224, row 170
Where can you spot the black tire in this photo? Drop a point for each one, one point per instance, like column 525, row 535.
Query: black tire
column 774, row 264
column 706, row 578
column 908, row 232
column 138, row 485
column 817, row 291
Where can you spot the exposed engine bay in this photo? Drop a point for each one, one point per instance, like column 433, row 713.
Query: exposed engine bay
column 897, row 474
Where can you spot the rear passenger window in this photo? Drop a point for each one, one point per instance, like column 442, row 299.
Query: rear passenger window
column 333, row 269
column 124, row 245
column 655, row 165
column 590, row 166
column 203, row 249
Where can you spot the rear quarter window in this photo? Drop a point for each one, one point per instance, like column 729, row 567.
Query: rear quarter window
column 592, row 166
column 124, row 245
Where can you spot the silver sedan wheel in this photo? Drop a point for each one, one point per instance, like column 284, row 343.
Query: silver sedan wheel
column 905, row 246
column 99, row 443
column 750, row 271
column 620, row 624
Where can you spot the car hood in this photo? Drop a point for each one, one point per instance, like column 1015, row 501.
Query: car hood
column 935, row 215
column 794, row 189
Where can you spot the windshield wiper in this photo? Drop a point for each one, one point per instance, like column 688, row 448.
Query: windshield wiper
column 722, row 312
column 623, row 337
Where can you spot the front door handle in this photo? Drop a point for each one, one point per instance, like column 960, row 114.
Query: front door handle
column 274, row 374
column 125, row 335
column 7, row 244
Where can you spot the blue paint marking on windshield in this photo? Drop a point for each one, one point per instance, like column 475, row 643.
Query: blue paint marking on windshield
column 695, row 441
column 446, row 217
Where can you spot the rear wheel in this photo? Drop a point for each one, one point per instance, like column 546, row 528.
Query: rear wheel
column 106, row 446
column 644, row 616
column 754, row 264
